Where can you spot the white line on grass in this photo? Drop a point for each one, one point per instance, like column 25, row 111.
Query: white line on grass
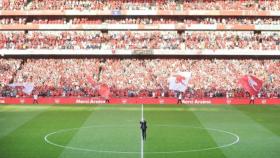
column 142, row 143
column 137, row 152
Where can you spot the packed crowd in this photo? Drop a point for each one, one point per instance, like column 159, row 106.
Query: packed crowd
column 141, row 4
column 11, row 21
column 144, row 20
column 209, row 77
column 232, row 5
column 8, row 69
column 192, row 20
column 59, row 77
column 140, row 40
column 13, row 4
column 52, row 20
column 160, row 20
column 141, row 77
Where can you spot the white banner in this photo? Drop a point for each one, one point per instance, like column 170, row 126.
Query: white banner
column 179, row 81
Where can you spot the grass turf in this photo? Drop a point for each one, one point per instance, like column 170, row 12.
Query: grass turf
column 106, row 131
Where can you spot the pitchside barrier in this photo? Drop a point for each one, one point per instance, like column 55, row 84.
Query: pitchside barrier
column 136, row 100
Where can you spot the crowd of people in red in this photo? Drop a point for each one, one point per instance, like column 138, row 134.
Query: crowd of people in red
column 144, row 20
column 13, row 4
column 8, row 69
column 39, row 20
column 140, row 5
column 11, row 21
column 137, row 77
column 184, row 20
column 140, row 40
column 155, row 20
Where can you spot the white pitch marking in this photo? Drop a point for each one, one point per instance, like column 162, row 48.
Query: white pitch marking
column 142, row 143
column 137, row 152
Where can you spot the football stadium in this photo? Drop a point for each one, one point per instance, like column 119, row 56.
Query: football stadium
column 139, row 78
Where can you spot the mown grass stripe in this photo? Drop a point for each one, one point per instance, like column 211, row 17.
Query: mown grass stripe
column 266, row 115
column 255, row 140
column 13, row 117
column 27, row 141
column 173, row 138
column 120, row 134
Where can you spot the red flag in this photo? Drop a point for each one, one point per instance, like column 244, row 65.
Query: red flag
column 104, row 90
column 251, row 84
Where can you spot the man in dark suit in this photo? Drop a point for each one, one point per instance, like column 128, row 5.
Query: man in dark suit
column 143, row 126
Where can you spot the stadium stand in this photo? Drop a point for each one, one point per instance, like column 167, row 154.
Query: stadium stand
column 138, row 27
column 143, row 20
column 8, row 69
column 140, row 5
column 141, row 77
column 140, row 40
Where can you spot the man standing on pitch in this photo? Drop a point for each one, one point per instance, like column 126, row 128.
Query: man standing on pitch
column 35, row 99
column 143, row 126
column 252, row 99
column 180, row 97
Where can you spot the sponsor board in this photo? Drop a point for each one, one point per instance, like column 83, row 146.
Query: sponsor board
column 135, row 100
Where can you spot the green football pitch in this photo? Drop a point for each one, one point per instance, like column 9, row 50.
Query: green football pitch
column 113, row 131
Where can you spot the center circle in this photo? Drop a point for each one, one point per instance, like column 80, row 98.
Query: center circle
column 93, row 138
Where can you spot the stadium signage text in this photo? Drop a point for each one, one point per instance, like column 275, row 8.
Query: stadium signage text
column 196, row 101
column 135, row 100
column 143, row 52
column 89, row 101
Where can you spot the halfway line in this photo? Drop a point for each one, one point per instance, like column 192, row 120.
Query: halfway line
column 142, row 143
